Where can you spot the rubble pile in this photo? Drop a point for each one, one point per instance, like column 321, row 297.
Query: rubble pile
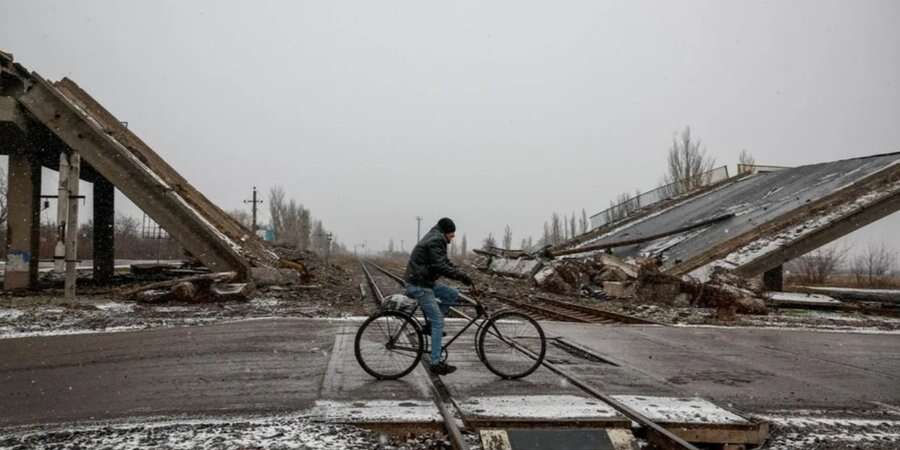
column 603, row 275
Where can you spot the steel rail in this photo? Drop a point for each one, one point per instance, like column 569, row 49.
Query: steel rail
column 656, row 433
column 618, row 317
column 456, row 438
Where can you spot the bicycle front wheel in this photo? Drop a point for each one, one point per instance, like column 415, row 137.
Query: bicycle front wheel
column 389, row 345
column 511, row 345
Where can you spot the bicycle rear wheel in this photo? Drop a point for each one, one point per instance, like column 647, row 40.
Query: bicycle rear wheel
column 511, row 345
column 388, row 345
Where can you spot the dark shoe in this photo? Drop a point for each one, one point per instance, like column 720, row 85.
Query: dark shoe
column 442, row 368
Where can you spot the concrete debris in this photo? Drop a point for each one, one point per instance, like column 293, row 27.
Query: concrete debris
column 214, row 287
column 268, row 276
column 639, row 279
column 618, row 289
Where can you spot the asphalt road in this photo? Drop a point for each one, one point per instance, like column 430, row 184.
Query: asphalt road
column 281, row 365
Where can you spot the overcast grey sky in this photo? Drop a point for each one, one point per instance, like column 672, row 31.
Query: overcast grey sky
column 492, row 113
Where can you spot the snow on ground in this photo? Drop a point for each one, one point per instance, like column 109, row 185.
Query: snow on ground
column 287, row 432
column 550, row 407
column 10, row 314
column 680, row 410
column 369, row 411
column 800, row 430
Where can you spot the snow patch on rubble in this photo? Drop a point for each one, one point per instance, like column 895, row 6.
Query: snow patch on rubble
column 768, row 244
column 799, row 297
column 115, row 307
column 521, row 267
column 661, row 245
column 537, row 407
column 680, row 410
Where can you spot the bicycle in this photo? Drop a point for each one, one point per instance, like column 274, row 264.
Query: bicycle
column 391, row 342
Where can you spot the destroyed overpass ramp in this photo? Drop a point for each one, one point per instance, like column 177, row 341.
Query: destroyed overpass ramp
column 767, row 218
column 210, row 234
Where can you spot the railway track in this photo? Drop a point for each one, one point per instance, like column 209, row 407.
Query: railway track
column 440, row 395
column 656, row 434
column 553, row 309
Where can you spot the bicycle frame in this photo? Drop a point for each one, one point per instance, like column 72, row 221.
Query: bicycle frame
column 480, row 313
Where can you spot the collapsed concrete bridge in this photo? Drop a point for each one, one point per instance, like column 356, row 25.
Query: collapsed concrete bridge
column 752, row 223
column 39, row 120
column 748, row 224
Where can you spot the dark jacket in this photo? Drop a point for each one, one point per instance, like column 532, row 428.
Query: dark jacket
column 428, row 261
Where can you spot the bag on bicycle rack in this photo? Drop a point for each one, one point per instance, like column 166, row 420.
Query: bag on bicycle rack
column 400, row 302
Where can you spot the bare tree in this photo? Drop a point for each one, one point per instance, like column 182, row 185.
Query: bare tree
column 584, row 221
column 556, row 229
column 746, row 158
column 688, row 164
column 243, row 217
column 621, row 207
column 507, row 238
column 746, row 161
column 572, row 227
column 453, row 249
column 276, row 210
column 291, row 222
column 816, row 266
column 489, row 241
column 464, row 248
column 872, row 268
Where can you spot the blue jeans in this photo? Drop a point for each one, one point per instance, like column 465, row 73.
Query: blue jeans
column 435, row 304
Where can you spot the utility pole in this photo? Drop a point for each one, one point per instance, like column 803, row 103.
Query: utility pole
column 254, row 202
column 62, row 213
column 418, row 228
column 72, row 225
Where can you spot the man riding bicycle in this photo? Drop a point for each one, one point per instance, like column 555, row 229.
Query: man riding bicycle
column 428, row 262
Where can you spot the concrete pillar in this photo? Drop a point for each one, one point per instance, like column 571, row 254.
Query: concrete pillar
column 23, row 220
column 773, row 279
column 104, row 230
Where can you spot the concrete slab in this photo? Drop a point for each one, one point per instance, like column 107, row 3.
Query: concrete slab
column 542, row 410
column 681, row 410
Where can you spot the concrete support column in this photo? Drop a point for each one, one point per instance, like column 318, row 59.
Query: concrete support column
column 23, row 220
column 773, row 279
column 104, row 230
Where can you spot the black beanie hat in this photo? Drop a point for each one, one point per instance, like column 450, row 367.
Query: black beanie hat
column 446, row 225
